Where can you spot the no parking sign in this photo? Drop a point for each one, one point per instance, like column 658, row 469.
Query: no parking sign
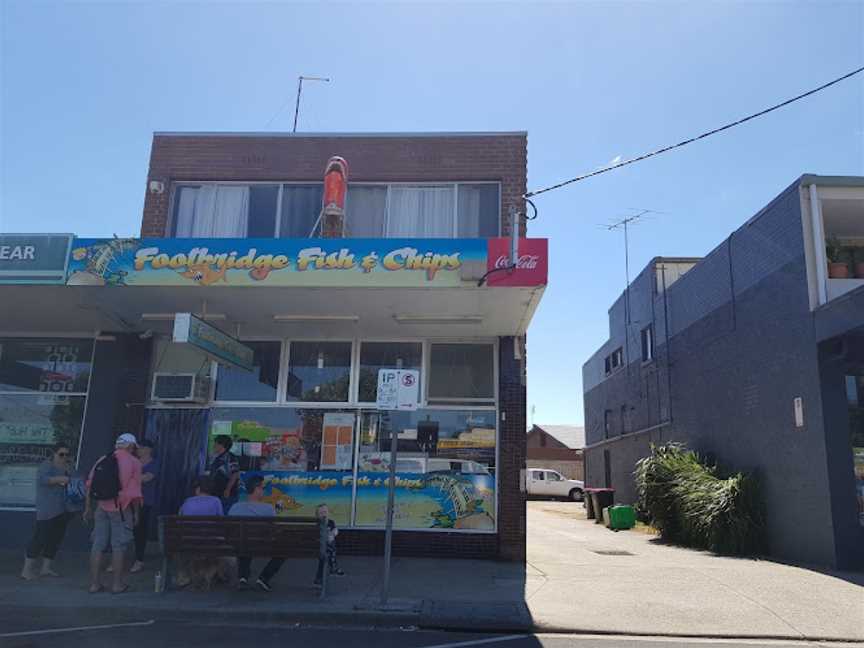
column 398, row 389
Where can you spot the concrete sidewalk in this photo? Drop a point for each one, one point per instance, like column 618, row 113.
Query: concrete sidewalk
column 642, row 587
column 583, row 576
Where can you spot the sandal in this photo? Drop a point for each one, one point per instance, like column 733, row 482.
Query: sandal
column 95, row 589
column 123, row 590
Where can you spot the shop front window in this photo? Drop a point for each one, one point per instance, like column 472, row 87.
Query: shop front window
column 461, row 373
column 43, row 387
column 319, row 371
column 260, row 384
column 375, row 356
column 445, row 469
column 48, row 366
column 306, row 456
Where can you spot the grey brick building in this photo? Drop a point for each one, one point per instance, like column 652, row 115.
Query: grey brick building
column 753, row 355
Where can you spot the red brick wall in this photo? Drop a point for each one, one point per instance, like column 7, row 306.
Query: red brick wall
column 535, row 440
column 501, row 157
column 556, row 454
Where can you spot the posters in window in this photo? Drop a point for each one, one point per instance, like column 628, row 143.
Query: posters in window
column 337, row 441
column 436, row 497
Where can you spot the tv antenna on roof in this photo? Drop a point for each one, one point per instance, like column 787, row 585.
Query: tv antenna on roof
column 624, row 223
column 300, row 81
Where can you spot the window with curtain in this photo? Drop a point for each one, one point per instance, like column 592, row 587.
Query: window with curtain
column 365, row 211
column 301, row 205
column 225, row 211
column 465, row 210
column 421, row 212
column 446, row 210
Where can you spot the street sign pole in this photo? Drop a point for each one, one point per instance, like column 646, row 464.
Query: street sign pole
column 398, row 390
column 388, row 533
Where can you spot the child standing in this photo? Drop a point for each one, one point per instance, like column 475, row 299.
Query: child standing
column 323, row 514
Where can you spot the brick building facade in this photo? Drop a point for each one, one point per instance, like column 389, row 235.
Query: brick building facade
column 421, row 280
column 300, row 158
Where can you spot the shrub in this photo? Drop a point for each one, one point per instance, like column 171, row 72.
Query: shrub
column 693, row 504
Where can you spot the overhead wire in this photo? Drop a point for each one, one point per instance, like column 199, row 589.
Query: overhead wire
column 714, row 131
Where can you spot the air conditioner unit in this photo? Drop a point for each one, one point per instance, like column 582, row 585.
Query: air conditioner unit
column 180, row 388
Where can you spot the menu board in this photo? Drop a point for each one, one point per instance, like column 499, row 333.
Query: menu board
column 336, row 442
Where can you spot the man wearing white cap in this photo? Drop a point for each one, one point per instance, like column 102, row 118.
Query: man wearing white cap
column 115, row 484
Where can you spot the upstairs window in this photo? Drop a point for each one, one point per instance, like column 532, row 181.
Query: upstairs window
column 261, row 210
column 225, row 211
column 301, row 206
column 464, row 210
column 614, row 360
column 648, row 343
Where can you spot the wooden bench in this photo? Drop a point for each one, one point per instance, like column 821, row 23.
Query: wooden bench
column 256, row 537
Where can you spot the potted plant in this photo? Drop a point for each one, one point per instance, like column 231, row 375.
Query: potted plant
column 837, row 268
column 858, row 256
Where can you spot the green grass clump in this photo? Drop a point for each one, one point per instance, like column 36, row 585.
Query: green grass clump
column 691, row 503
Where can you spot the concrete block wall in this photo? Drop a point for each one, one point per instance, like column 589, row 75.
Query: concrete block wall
column 742, row 347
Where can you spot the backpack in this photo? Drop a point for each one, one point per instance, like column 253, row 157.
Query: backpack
column 106, row 479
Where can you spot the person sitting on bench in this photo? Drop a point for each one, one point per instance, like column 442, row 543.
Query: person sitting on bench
column 254, row 507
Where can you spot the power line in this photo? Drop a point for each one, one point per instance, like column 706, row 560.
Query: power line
column 694, row 139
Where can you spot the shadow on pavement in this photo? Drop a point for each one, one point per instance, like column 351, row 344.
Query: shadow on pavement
column 854, row 577
column 455, row 595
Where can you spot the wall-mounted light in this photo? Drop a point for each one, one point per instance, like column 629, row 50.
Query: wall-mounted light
column 157, row 187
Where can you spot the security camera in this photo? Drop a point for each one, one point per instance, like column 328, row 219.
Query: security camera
column 157, row 187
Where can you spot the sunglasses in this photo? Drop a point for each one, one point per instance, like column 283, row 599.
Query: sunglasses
column 62, row 454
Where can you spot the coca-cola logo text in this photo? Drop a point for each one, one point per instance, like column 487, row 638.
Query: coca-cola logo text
column 525, row 262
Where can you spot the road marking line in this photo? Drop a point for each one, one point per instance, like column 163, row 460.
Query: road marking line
column 79, row 628
column 477, row 642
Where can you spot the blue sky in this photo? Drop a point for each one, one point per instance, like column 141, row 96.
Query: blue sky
column 85, row 85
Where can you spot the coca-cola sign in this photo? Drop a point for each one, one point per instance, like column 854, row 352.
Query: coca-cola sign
column 531, row 263
column 524, row 262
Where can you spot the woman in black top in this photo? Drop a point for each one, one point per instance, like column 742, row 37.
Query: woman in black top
column 225, row 471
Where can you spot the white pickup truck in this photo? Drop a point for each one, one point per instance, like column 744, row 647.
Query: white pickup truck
column 542, row 482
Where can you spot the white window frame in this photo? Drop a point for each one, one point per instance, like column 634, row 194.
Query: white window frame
column 355, row 395
column 318, row 404
column 454, row 185
column 451, row 403
column 361, row 408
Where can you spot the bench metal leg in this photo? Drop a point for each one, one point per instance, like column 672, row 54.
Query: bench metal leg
column 165, row 574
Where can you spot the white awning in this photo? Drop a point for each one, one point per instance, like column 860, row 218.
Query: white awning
column 268, row 312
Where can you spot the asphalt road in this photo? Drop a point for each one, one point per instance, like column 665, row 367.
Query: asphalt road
column 53, row 632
